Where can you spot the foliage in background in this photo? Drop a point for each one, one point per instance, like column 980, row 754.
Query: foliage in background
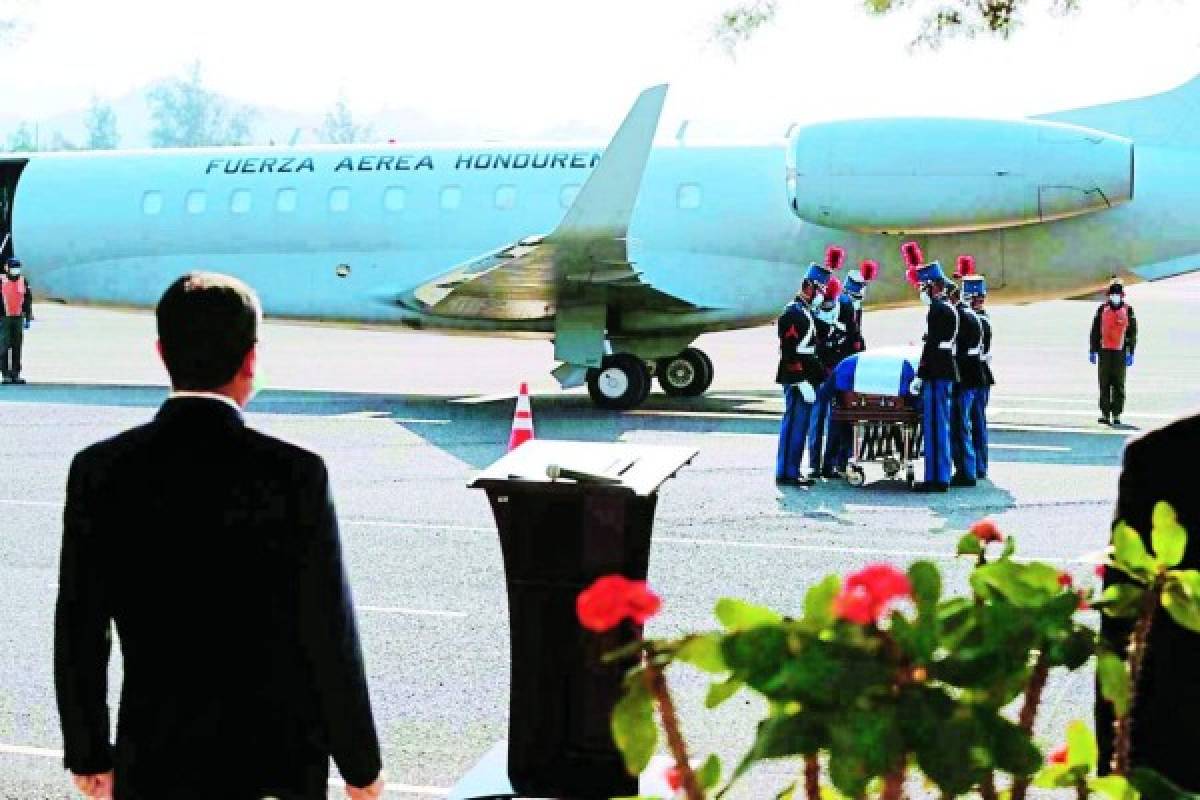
column 187, row 114
column 883, row 675
column 101, row 124
column 339, row 126
column 940, row 20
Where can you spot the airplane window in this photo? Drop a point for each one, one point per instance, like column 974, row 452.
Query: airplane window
column 152, row 202
column 567, row 195
column 197, row 201
column 285, row 201
column 506, row 197
column 239, row 201
column 393, row 198
column 689, row 195
column 451, row 197
column 339, row 199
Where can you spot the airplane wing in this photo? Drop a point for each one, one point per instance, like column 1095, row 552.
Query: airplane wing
column 584, row 262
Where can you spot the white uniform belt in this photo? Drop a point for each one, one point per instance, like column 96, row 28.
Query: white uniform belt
column 974, row 351
column 805, row 351
column 946, row 345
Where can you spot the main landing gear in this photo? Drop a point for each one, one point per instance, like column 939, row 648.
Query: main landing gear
column 623, row 380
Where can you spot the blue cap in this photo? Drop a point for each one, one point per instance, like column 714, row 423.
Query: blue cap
column 818, row 274
column 974, row 286
column 855, row 285
column 931, row 272
column 14, row 262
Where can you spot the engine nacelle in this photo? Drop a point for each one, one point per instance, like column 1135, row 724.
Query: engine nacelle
column 943, row 175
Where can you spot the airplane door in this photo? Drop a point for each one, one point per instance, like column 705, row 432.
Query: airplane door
column 10, row 171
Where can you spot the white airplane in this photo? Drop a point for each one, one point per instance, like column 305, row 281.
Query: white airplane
column 622, row 256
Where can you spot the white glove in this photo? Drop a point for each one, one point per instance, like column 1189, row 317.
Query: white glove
column 807, row 393
column 915, row 386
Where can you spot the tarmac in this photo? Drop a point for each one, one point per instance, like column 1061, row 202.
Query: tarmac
column 405, row 421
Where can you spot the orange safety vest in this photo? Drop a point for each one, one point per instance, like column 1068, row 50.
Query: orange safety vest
column 1113, row 324
column 14, row 295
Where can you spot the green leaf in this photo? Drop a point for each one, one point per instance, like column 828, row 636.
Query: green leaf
column 1055, row 776
column 818, row 602
column 969, row 545
column 1152, row 786
column 703, row 652
column 633, row 728
column 1183, row 606
column 1023, row 585
column 1114, row 681
column 709, row 775
column 718, row 693
column 738, row 615
column 757, row 655
column 1082, row 751
column 1073, row 650
column 863, row 745
column 1012, row 749
column 1129, row 553
column 926, row 585
column 1122, row 600
column 781, row 737
column 1113, row 787
column 1167, row 535
column 787, row 793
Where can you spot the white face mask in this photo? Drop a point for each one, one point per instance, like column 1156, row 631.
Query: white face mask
column 1115, row 299
column 925, row 298
column 856, row 303
column 15, row 273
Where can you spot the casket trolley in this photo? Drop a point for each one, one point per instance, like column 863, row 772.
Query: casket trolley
column 873, row 396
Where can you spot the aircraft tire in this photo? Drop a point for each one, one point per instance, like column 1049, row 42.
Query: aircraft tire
column 622, row 382
column 688, row 374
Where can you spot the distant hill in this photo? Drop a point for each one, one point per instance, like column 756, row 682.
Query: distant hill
column 277, row 125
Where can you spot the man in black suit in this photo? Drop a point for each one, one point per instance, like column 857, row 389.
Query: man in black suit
column 1158, row 467
column 215, row 551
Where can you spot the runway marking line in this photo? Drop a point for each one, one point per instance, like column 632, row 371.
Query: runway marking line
column 414, row 612
column 407, row 788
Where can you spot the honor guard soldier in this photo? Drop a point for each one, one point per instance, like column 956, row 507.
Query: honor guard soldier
column 831, row 337
column 18, row 314
column 967, row 351
column 855, row 291
column 974, row 289
column 937, row 372
column 1113, row 339
column 800, row 373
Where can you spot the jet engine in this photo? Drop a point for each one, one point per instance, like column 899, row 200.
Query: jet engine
column 943, row 175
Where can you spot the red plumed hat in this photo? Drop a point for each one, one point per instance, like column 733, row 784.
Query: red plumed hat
column 911, row 276
column 833, row 289
column 834, row 256
column 965, row 267
column 869, row 270
column 912, row 254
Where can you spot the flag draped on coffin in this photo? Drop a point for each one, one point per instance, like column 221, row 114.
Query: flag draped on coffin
column 886, row 370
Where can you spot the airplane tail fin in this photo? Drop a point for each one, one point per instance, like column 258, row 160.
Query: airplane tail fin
column 605, row 203
column 1168, row 119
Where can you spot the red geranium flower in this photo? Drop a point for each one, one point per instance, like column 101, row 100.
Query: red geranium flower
column 1065, row 580
column 1100, row 571
column 674, row 779
column 1084, row 605
column 986, row 531
column 1059, row 756
column 868, row 592
column 612, row 598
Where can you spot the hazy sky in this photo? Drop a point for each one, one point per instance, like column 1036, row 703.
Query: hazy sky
column 525, row 65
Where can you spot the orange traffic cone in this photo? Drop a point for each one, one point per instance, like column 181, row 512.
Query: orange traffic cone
column 522, row 426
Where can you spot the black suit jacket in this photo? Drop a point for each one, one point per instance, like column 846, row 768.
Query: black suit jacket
column 937, row 357
column 214, row 549
column 1160, row 466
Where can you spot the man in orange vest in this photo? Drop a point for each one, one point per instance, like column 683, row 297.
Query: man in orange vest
column 18, row 313
column 1114, row 337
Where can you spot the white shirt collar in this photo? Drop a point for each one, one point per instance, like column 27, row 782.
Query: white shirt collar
column 207, row 396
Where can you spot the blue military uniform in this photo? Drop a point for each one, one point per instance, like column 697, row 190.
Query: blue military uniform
column 798, row 366
column 967, row 351
column 975, row 290
column 938, row 373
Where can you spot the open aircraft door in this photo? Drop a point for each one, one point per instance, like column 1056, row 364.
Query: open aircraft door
column 10, row 171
